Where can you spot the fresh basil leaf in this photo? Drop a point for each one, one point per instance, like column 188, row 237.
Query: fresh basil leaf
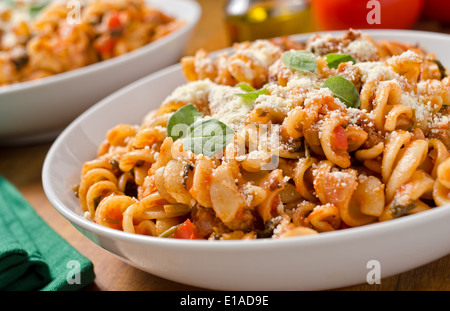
column 344, row 90
column 181, row 120
column 398, row 210
column 300, row 60
column 36, row 8
column 334, row 59
column 442, row 69
column 207, row 137
column 246, row 87
column 253, row 94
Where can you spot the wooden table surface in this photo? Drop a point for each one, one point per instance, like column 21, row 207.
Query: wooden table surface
column 22, row 166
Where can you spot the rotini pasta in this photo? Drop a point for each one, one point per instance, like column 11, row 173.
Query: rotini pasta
column 279, row 144
column 33, row 47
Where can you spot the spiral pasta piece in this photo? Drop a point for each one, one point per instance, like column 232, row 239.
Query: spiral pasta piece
column 335, row 153
column 407, row 197
column 92, row 177
column 413, row 156
column 388, row 94
column 324, row 218
column 441, row 191
column 110, row 212
column 273, row 184
column 300, row 178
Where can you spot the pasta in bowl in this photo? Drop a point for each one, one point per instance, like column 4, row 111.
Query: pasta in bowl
column 281, row 140
column 44, row 38
column 72, row 54
column 271, row 197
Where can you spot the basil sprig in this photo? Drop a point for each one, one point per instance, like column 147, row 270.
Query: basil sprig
column 344, row 90
column 246, row 87
column 250, row 92
column 334, row 59
column 442, row 69
column 398, row 210
column 300, row 60
column 207, row 137
column 180, row 121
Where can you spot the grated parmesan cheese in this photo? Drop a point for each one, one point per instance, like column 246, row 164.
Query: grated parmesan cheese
column 193, row 92
column 409, row 56
column 362, row 50
column 422, row 111
column 227, row 107
column 275, row 103
column 375, row 71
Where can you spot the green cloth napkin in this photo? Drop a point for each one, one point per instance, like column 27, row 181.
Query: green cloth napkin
column 32, row 255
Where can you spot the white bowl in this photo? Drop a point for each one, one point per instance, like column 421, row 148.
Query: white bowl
column 318, row 262
column 39, row 110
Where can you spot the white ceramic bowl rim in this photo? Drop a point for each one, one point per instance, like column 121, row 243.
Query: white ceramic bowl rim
column 409, row 221
column 190, row 21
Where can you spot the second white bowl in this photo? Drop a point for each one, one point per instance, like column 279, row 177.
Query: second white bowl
column 39, row 110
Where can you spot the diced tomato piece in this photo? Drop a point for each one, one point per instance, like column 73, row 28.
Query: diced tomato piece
column 114, row 22
column 105, row 46
column 340, row 139
column 186, row 230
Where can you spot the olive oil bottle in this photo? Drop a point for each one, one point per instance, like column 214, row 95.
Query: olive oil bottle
column 262, row 19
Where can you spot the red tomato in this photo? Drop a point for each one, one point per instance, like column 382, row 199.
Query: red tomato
column 345, row 14
column 186, row 230
column 114, row 22
column 438, row 10
column 340, row 139
column 105, row 46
